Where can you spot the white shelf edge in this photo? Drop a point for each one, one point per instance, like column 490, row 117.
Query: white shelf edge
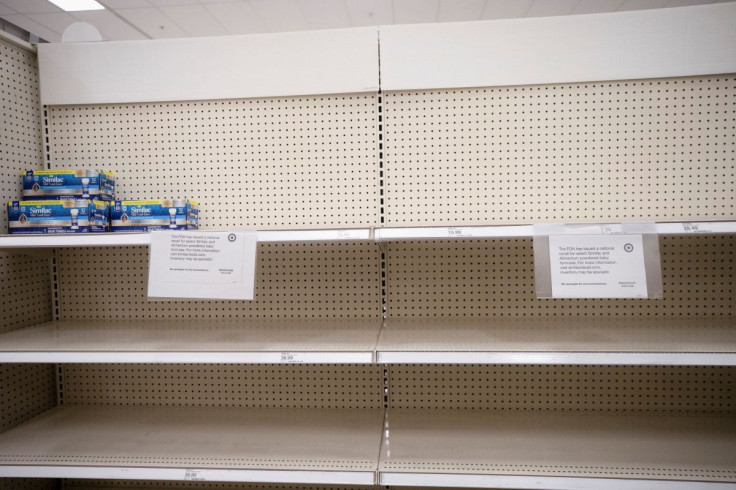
column 569, row 358
column 523, row 231
column 178, row 474
column 153, row 357
column 541, row 482
column 17, row 243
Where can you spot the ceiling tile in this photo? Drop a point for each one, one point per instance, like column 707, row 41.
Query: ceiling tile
column 506, row 9
column 195, row 20
column 168, row 3
column 57, row 22
column 643, row 4
column 125, row 4
column 6, row 10
column 32, row 6
column 416, row 11
column 153, row 22
column 237, row 17
column 546, row 8
column 325, row 14
column 110, row 25
column 370, row 12
column 280, row 15
column 460, row 10
column 597, row 6
column 33, row 27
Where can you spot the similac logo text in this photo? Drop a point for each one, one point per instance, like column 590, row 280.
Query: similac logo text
column 40, row 212
column 52, row 180
column 140, row 211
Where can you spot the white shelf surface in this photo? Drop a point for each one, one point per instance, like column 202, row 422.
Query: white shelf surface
column 522, row 231
column 16, row 242
column 556, row 450
column 216, row 444
column 583, row 340
column 283, row 341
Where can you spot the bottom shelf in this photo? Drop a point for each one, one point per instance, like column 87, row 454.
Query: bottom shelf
column 196, row 444
column 555, row 450
column 440, row 448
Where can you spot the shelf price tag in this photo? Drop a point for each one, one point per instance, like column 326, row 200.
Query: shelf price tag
column 291, row 358
column 597, row 266
column 202, row 265
column 193, row 475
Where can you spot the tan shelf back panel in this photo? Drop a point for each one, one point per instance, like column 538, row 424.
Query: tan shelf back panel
column 249, row 386
column 271, row 163
column 25, row 285
column 482, row 278
column 293, row 280
column 642, row 150
column 674, row 389
column 24, row 281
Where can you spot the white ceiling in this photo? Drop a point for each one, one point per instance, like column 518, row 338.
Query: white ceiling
column 153, row 19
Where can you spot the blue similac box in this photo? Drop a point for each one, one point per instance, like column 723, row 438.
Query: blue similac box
column 68, row 184
column 52, row 217
column 99, row 216
column 154, row 215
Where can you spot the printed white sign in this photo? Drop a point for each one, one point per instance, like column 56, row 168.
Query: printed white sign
column 597, row 266
column 202, row 264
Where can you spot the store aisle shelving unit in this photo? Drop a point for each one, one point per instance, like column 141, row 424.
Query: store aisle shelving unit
column 395, row 338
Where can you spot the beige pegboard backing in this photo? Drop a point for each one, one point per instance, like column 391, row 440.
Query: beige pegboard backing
column 158, row 485
column 564, row 388
column 315, row 280
column 29, row 484
column 24, row 281
column 290, row 163
column 652, row 150
column 27, row 390
column 481, row 278
column 250, row 386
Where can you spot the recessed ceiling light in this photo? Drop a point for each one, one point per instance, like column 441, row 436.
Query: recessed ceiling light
column 77, row 5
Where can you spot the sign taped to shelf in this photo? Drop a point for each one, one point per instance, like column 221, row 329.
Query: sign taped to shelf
column 202, row 265
column 597, row 266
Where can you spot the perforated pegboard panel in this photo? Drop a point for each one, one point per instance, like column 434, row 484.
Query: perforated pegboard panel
column 289, row 162
column 564, row 388
column 316, row 280
column 158, row 485
column 658, row 150
column 480, row 278
column 24, row 281
column 27, row 390
column 251, row 386
column 29, row 484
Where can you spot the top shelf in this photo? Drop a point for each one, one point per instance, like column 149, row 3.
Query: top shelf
column 14, row 242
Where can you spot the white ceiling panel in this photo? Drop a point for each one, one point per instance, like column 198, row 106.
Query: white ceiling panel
column 57, row 22
column 597, row 6
column 125, row 4
column 33, row 27
column 416, row 11
column 370, row 12
column 195, row 20
column 643, row 4
column 506, row 9
column 168, row 3
column 325, row 14
column 6, row 10
column 280, row 15
column 546, row 8
column 153, row 22
column 237, row 17
column 31, row 6
column 460, row 10
column 109, row 25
